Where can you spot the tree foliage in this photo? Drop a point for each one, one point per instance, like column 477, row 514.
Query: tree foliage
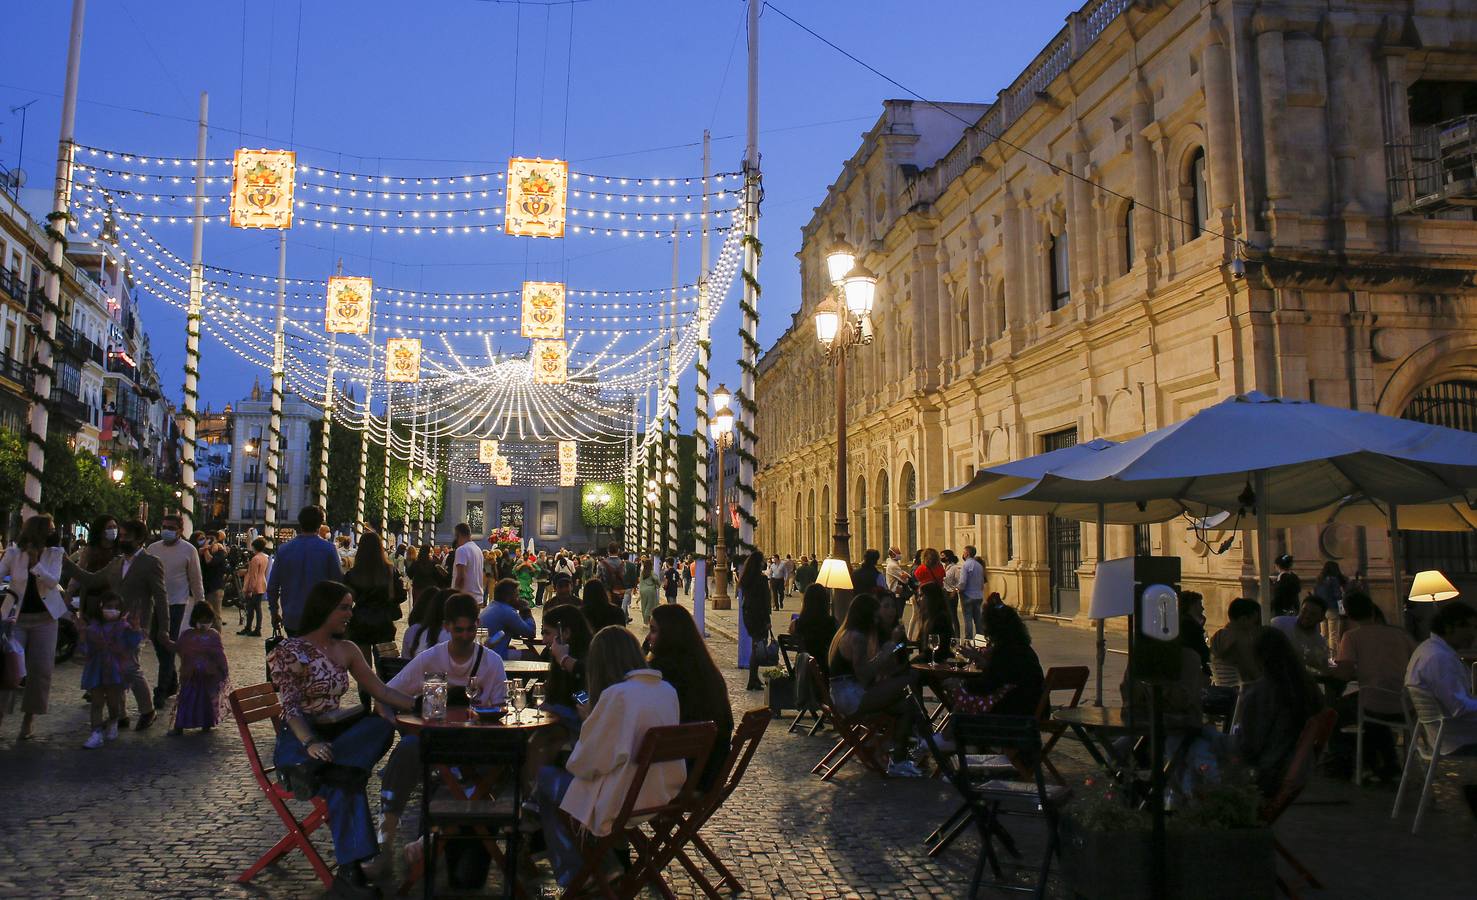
column 345, row 447
column 76, row 488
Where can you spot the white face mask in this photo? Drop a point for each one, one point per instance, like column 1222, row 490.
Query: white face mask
column 111, row 614
column 110, row 534
column 169, row 535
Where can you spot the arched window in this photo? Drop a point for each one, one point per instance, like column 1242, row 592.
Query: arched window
column 822, row 544
column 884, row 502
column 1061, row 278
column 810, row 523
column 860, row 529
column 1197, row 204
column 797, row 532
column 1130, row 243
column 910, row 497
column 1452, row 404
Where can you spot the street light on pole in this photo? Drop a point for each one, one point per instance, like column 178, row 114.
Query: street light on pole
column 721, row 425
column 843, row 320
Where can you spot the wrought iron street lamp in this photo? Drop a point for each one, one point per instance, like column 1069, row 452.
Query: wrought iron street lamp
column 721, row 426
column 843, row 319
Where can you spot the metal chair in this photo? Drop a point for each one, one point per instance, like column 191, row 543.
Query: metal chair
column 1398, row 723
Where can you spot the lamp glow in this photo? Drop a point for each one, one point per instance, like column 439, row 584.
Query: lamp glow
column 834, row 574
column 860, row 288
column 722, row 424
column 827, row 321
column 722, row 399
column 1431, row 586
column 839, row 261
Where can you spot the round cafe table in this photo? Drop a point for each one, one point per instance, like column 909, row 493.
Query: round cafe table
column 526, row 668
column 530, row 720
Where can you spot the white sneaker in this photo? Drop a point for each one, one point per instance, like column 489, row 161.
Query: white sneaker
column 95, row 741
column 904, row 769
column 110, row 733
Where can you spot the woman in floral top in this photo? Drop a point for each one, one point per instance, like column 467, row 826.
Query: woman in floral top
column 338, row 749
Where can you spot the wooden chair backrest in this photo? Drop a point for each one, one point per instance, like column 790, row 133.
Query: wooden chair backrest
column 386, row 649
column 820, row 684
column 740, row 752
column 1061, row 678
column 789, row 643
column 1311, row 742
column 667, row 743
column 256, row 703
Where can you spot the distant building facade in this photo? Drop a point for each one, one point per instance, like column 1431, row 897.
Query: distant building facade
column 1025, row 303
column 249, row 434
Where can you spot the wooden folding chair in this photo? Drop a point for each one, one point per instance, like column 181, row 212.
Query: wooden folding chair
column 1310, row 745
column 255, row 704
column 790, row 644
column 1058, row 679
column 448, row 812
column 669, row 743
column 858, row 736
column 655, row 856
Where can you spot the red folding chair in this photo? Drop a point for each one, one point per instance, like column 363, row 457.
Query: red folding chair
column 856, row 736
column 254, row 704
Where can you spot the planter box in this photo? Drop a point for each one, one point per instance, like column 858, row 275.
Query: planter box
column 1202, row 865
column 779, row 694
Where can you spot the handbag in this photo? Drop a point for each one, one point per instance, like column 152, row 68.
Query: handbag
column 12, row 660
column 769, row 654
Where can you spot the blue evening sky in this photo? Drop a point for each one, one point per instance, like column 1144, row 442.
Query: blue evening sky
column 453, row 86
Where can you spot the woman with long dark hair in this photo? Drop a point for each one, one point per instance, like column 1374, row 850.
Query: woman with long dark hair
column 754, row 606
column 679, row 653
column 1273, row 709
column 426, row 628
column 1010, row 667
column 378, row 594
column 598, row 610
column 934, row 621
column 815, row 626
column 869, row 676
column 31, row 607
column 311, row 673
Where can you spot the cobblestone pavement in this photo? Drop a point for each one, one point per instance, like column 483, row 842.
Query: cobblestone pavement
column 153, row 815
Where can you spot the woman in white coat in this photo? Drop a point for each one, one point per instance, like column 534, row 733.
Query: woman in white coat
column 627, row 699
column 32, row 604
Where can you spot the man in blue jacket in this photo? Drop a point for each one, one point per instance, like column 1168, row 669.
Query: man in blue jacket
column 509, row 614
column 297, row 566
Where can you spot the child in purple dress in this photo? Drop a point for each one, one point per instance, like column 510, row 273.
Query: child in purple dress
column 203, row 672
column 108, row 639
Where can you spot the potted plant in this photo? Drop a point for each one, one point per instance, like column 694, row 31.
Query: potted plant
column 1211, row 826
column 779, row 689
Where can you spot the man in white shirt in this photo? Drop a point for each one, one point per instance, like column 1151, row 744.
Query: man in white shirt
column 1436, row 668
column 183, row 587
column 466, row 568
column 897, row 576
column 972, row 591
column 460, row 659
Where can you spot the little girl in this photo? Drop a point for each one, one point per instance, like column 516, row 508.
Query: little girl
column 109, row 640
column 203, row 672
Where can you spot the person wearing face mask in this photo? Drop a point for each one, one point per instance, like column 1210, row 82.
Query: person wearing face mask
column 32, row 604
column 184, row 585
column 101, row 548
column 138, row 578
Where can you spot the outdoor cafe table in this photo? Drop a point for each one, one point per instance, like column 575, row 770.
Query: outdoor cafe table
column 934, row 675
column 526, row 668
column 1097, row 727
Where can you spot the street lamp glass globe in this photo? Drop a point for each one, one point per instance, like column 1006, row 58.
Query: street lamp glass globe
column 827, row 322
column 722, row 425
column 721, row 399
column 117, row 474
column 861, row 291
column 839, row 261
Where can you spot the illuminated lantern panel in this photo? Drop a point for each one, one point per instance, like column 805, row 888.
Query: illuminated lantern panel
column 262, row 187
column 550, row 362
column 403, row 360
column 486, row 451
column 349, row 304
column 543, row 309
column 568, row 452
column 537, row 189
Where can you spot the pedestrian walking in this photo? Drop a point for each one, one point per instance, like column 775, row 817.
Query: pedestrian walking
column 34, row 604
column 203, row 672
column 671, row 581
column 111, row 642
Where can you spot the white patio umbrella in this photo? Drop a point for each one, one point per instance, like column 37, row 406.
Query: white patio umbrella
column 1280, row 457
column 984, row 495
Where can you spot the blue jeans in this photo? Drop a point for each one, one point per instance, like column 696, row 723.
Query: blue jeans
column 564, row 852
column 973, row 609
column 401, row 775
column 360, row 747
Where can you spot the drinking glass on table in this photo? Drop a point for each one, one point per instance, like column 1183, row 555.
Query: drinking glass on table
column 935, row 641
column 518, row 699
column 538, row 695
column 474, row 682
column 433, row 702
column 482, row 635
column 508, row 687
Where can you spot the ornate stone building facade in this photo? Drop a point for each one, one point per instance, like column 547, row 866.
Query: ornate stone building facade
column 1174, row 203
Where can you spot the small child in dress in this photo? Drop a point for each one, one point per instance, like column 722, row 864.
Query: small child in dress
column 203, row 672
column 109, row 639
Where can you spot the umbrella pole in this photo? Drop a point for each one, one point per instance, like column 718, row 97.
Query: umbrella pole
column 1102, row 644
column 1395, row 575
column 1264, row 594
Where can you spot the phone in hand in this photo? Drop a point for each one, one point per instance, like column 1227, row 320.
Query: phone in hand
column 582, row 697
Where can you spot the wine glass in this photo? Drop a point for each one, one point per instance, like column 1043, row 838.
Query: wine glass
column 473, row 683
column 538, row 695
column 508, row 687
column 935, row 641
column 518, row 699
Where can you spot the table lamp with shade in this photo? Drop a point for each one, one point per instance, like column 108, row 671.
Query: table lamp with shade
column 834, row 574
column 1431, row 586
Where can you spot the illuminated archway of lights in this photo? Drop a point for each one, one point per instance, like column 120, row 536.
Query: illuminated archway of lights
column 463, row 395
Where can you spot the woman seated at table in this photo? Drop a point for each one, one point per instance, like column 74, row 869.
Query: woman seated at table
column 934, row 620
column 627, row 699
column 889, row 626
column 1010, row 670
column 1273, row 710
column 326, row 748
column 869, row 675
column 567, row 645
column 815, row 626
column 426, row 628
column 678, row 652
column 461, row 660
